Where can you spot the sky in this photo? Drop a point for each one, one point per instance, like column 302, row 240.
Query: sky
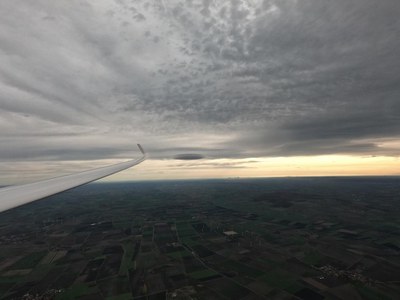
column 254, row 88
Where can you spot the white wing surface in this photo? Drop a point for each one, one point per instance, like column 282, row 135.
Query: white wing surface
column 13, row 196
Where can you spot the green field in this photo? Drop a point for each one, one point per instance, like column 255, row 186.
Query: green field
column 236, row 266
column 127, row 262
column 29, row 261
column 282, row 280
column 203, row 274
column 179, row 254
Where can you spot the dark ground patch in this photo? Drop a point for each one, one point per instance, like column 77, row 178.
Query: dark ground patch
column 228, row 288
column 191, row 264
column 92, row 268
column 110, row 267
column 115, row 249
column 308, row 294
column 383, row 272
column 114, row 286
column 65, row 280
column 157, row 296
column 20, row 290
column 202, row 251
column 29, row 261
column 46, row 282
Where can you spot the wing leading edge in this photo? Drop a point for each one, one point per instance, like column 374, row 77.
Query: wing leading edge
column 14, row 196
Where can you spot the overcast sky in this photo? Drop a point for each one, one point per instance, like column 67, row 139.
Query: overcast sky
column 237, row 82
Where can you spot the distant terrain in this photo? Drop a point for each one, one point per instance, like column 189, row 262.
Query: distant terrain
column 292, row 238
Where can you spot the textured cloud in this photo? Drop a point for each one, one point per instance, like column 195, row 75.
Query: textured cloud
column 226, row 79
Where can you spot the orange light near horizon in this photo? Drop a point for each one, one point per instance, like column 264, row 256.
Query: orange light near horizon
column 324, row 165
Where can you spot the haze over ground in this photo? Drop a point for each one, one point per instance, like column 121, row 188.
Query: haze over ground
column 259, row 88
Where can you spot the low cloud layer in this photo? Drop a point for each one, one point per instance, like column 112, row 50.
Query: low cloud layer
column 225, row 79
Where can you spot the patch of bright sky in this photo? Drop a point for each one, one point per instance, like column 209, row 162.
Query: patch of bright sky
column 324, row 165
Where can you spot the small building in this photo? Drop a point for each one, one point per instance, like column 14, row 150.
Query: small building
column 231, row 235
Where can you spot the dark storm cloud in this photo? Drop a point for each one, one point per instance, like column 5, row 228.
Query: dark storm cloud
column 223, row 78
column 188, row 156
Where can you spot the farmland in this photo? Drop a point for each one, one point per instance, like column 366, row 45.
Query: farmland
column 321, row 238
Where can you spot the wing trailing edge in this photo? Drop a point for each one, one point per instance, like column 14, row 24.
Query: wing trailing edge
column 14, row 196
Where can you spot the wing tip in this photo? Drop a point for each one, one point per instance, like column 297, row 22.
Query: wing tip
column 141, row 149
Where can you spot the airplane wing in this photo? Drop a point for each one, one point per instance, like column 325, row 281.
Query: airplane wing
column 14, row 196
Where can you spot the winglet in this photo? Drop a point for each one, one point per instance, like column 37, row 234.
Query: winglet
column 141, row 149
